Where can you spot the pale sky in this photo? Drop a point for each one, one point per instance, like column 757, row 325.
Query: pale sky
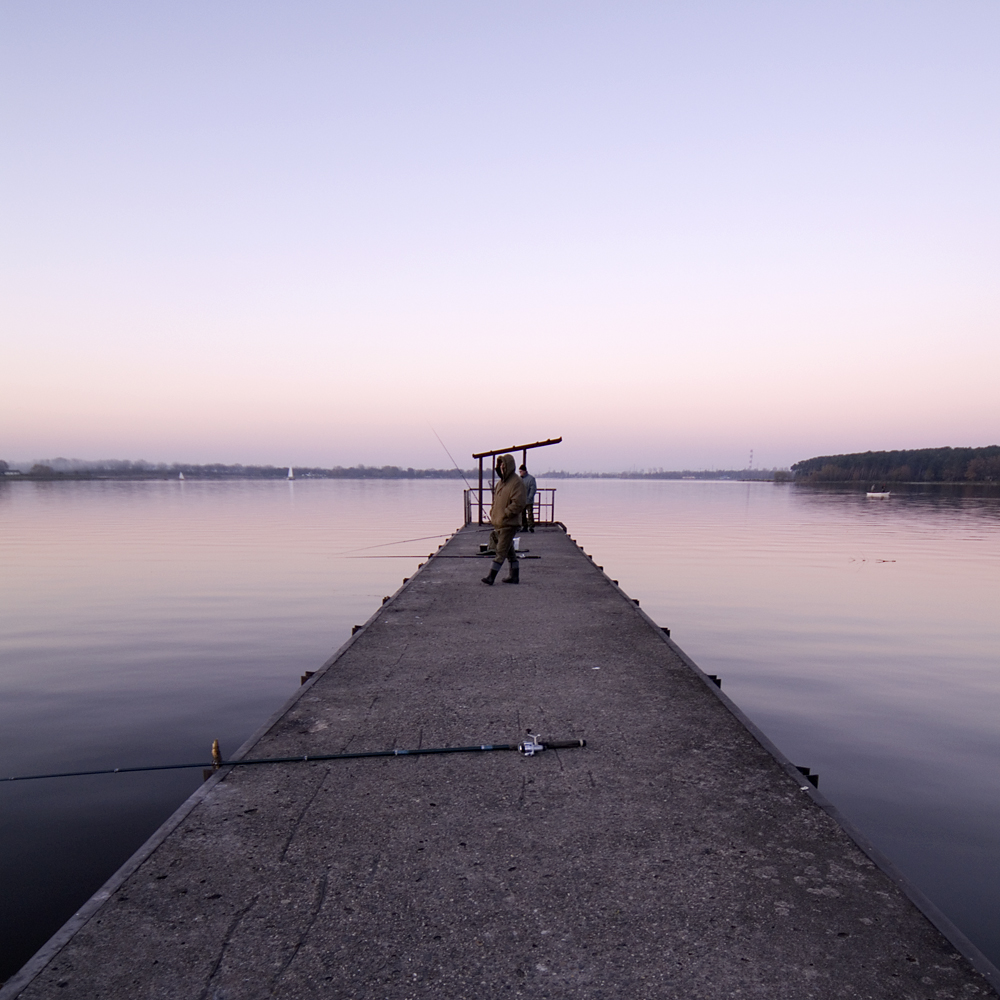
column 307, row 233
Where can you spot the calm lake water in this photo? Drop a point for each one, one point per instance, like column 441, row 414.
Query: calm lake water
column 139, row 621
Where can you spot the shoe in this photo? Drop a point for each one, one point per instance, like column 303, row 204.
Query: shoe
column 514, row 575
column 489, row 579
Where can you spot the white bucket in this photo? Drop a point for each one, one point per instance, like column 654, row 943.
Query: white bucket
column 517, row 543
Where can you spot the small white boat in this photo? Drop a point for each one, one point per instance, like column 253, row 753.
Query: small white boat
column 291, row 475
column 874, row 494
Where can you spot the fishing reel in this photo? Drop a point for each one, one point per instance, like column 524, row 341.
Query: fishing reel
column 534, row 744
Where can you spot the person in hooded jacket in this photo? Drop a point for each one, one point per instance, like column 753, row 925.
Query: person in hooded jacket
column 509, row 500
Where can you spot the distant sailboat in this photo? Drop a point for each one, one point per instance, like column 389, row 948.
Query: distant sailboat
column 180, row 476
column 291, row 475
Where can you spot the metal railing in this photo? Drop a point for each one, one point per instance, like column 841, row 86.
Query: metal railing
column 477, row 505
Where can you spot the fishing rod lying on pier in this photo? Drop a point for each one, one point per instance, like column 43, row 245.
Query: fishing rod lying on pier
column 529, row 747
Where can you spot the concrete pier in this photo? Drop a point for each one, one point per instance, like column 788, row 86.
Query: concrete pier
column 676, row 856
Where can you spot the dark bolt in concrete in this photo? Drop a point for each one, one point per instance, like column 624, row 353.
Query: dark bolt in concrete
column 674, row 856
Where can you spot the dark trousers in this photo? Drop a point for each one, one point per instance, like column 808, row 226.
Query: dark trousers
column 528, row 517
column 502, row 542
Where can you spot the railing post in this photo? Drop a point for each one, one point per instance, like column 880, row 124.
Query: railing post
column 480, row 491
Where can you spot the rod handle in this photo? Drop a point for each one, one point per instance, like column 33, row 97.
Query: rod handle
column 562, row 744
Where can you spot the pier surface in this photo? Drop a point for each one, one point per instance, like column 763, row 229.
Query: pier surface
column 675, row 856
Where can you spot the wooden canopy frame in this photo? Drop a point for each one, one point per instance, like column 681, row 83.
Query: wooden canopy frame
column 522, row 448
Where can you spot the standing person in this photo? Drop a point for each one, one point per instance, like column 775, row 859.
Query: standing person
column 528, row 517
column 505, row 516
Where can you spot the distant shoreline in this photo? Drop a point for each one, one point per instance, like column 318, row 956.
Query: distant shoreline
column 472, row 475
column 874, row 468
column 373, row 476
column 915, row 465
column 72, row 469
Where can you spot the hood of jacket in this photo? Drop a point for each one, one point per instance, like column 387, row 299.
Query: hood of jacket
column 509, row 466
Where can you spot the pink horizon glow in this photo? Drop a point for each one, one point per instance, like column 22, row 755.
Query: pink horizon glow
column 671, row 235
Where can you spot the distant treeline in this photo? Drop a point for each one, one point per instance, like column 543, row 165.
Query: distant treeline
column 740, row 474
column 924, row 465
column 62, row 468
column 67, row 468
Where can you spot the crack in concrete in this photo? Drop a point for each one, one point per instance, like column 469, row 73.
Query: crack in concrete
column 226, row 938
column 305, row 809
column 313, row 915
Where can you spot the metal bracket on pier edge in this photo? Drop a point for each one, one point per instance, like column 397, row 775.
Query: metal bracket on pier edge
column 809, row 776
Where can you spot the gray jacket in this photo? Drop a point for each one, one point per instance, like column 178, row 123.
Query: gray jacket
column 529, row 484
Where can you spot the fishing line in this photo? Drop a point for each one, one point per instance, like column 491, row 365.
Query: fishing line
column 448, row 453
column 383, row 545
column 528, row 747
